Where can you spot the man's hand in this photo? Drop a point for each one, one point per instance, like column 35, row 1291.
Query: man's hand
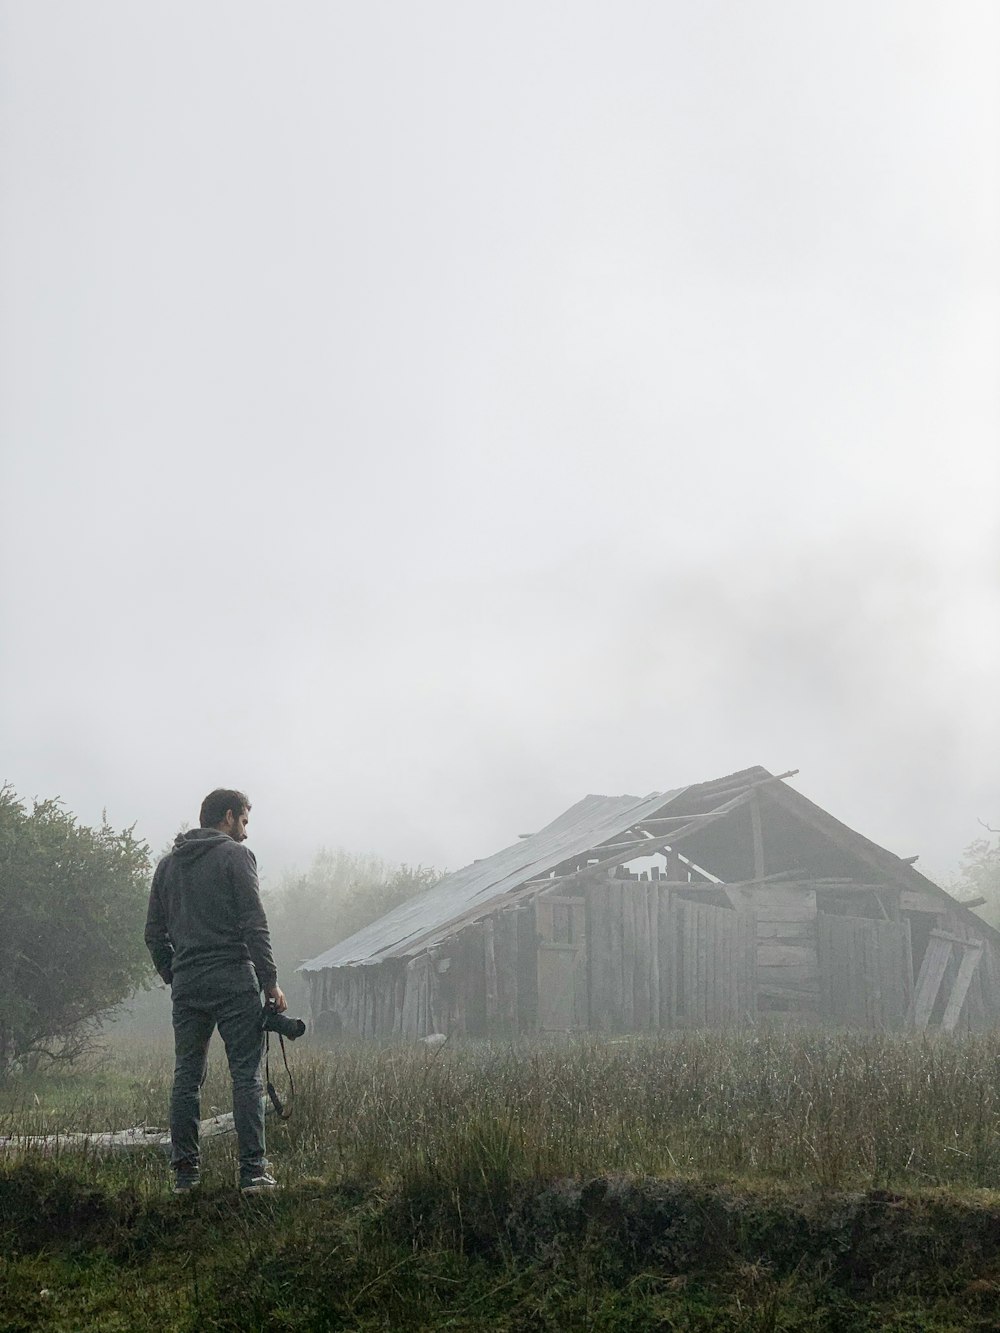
column 276, row 994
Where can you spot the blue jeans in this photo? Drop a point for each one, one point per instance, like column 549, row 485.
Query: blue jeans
column 224, row 1000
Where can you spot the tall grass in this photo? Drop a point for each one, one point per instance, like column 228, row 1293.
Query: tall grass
column 828, row 1109
column 494, row 1187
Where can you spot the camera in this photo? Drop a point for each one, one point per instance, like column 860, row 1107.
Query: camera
column 289, row 1028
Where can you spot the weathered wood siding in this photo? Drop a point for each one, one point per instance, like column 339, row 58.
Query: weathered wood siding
column 639, row 955
column 370, row 1001
column 562, row 963
column 658, row 961
column 787, row 957
column 715, row 965
column 865, row 971
column 982, row 1003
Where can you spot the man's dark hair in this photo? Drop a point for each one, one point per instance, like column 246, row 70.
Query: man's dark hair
column 216, row 803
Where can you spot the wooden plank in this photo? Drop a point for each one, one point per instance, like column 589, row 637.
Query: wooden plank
column 617, row 969
column 929, row 981
column 947, row 935
column 426, row 1023
column 790, row 898
column 759, row 869
column 371, row 998
column 628, row 957
column 505, row 947
column 872, row 979
column 544, row 918
column 581, row 985
column 653, row 913
column 971, row 1013
column 790, row 931
column 780, row 955
column 805, row 975
column 492, row 987
column 747, row 965
column 724, row 925
column 689, row 960
column 702, row 984
column 555, row 986
column 475, row 980
column 804, row 997
column 668, row 999
column 642, row 952
column 670, row 821
column 598, row 948
column 908, row 978
column 826, row 946
column 409, row 1018
column 856, row 973
column 898, row 972
column 966, row 969
column 527, row 970
column 791, row 913
column 728, row 966
column 913, row 900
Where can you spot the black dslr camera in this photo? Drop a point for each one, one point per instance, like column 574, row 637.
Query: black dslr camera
column 289, row 1028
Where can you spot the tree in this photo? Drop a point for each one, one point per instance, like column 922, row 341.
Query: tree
column 72, row 907
column 980, row 875
column 339, row 894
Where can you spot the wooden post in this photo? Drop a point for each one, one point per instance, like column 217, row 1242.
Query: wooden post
column 616, row 955
column 970, row 960
column 489, row 954
column 667, row 922
column 929, row 981
column 653, row 901
column 759, row 870
column 598, row 951
column 628, row 955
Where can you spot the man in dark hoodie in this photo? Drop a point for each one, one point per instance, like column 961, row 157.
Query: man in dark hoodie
column 207, row 934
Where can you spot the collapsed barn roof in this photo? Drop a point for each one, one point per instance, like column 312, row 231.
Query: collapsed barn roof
column 710, row 823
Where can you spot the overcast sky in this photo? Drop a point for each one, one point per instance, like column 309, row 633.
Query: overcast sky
column 424, row 415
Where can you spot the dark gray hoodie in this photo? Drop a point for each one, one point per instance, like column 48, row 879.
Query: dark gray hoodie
column 205, row 911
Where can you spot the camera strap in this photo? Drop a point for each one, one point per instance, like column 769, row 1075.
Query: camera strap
column 282, row 1110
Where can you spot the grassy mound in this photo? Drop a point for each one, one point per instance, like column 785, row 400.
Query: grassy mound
column 606, row 1253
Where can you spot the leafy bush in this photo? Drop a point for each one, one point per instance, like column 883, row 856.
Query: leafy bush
column 72, row 904
column 980, row 875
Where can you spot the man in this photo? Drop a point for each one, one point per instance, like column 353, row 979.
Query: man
column 207, row 934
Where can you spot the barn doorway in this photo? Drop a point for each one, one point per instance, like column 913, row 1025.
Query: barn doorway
column 561, row 928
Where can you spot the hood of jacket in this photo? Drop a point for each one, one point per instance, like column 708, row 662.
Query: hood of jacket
column 197, row 842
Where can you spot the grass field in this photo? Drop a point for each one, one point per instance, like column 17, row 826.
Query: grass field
column 763, row 1180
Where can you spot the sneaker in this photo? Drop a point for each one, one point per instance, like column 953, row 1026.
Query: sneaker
column 184, row 1184
column 262, row 1184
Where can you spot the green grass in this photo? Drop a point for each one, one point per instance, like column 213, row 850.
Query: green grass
column 764, row 1180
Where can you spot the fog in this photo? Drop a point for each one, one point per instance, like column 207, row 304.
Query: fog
column 422, row 416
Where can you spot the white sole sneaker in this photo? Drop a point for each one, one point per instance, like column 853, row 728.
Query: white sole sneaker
column 260, row 1185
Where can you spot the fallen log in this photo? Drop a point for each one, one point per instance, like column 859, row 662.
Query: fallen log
column 109, row 1141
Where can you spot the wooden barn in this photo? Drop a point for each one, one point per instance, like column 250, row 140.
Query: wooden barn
column 711, row 905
